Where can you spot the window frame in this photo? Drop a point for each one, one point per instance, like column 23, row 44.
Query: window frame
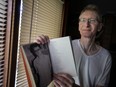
column 13, row 22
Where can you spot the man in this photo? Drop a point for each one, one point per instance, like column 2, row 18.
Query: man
column 93, row 62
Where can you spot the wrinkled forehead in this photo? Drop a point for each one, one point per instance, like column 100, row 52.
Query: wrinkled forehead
column 89, row 14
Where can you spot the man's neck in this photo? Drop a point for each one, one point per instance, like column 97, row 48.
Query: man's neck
column 89, row 46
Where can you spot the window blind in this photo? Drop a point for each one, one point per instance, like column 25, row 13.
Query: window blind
column 26, row 22
column 3, row 23
column 47, row 18
column 38, row 17
column 24, row 36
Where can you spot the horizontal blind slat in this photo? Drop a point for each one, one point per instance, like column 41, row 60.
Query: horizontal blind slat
column 3, row 11
column 2, row 37
column 1, row 53
column 2, row 28
column 2, row 16
column 2, row 20
column 2, row 24
column 3, row 7
column 2, row 33
column 3, row 2
column 2, row 49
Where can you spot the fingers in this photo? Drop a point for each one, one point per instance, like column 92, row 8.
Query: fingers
column 67, row 76
column 63, row 79
column 42, row 39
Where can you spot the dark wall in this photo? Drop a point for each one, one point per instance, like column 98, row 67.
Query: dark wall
column 108, row 38
column 75, row 7
column 106, row 6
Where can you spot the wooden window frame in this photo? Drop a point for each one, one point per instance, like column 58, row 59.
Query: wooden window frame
column 12, row 41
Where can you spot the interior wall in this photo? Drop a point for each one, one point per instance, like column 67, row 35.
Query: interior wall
column 75, row 7
column 108, row 37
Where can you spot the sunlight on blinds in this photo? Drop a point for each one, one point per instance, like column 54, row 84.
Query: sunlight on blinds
column 47, row 18
column 38, row 17
column 3, row 19
column 24, row 35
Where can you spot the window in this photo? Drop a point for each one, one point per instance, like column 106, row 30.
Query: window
column 38, row 17
column 5, row 28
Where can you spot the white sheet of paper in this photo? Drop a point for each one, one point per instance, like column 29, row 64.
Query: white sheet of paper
column 62, row 56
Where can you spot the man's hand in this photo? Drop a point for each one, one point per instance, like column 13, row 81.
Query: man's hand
column 42, row 39
column 63, row 80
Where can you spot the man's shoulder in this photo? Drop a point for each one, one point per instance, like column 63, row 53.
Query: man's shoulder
column 105, row 51
column 106, row 54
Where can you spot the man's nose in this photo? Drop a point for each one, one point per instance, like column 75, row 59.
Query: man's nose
column 87, row 23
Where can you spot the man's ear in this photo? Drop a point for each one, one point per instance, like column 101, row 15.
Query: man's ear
column 100, row 27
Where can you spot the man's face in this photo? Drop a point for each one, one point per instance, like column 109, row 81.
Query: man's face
column 88, row 24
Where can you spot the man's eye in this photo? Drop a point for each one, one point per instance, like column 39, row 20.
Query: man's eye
column 82, row 20
column 92, row 20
